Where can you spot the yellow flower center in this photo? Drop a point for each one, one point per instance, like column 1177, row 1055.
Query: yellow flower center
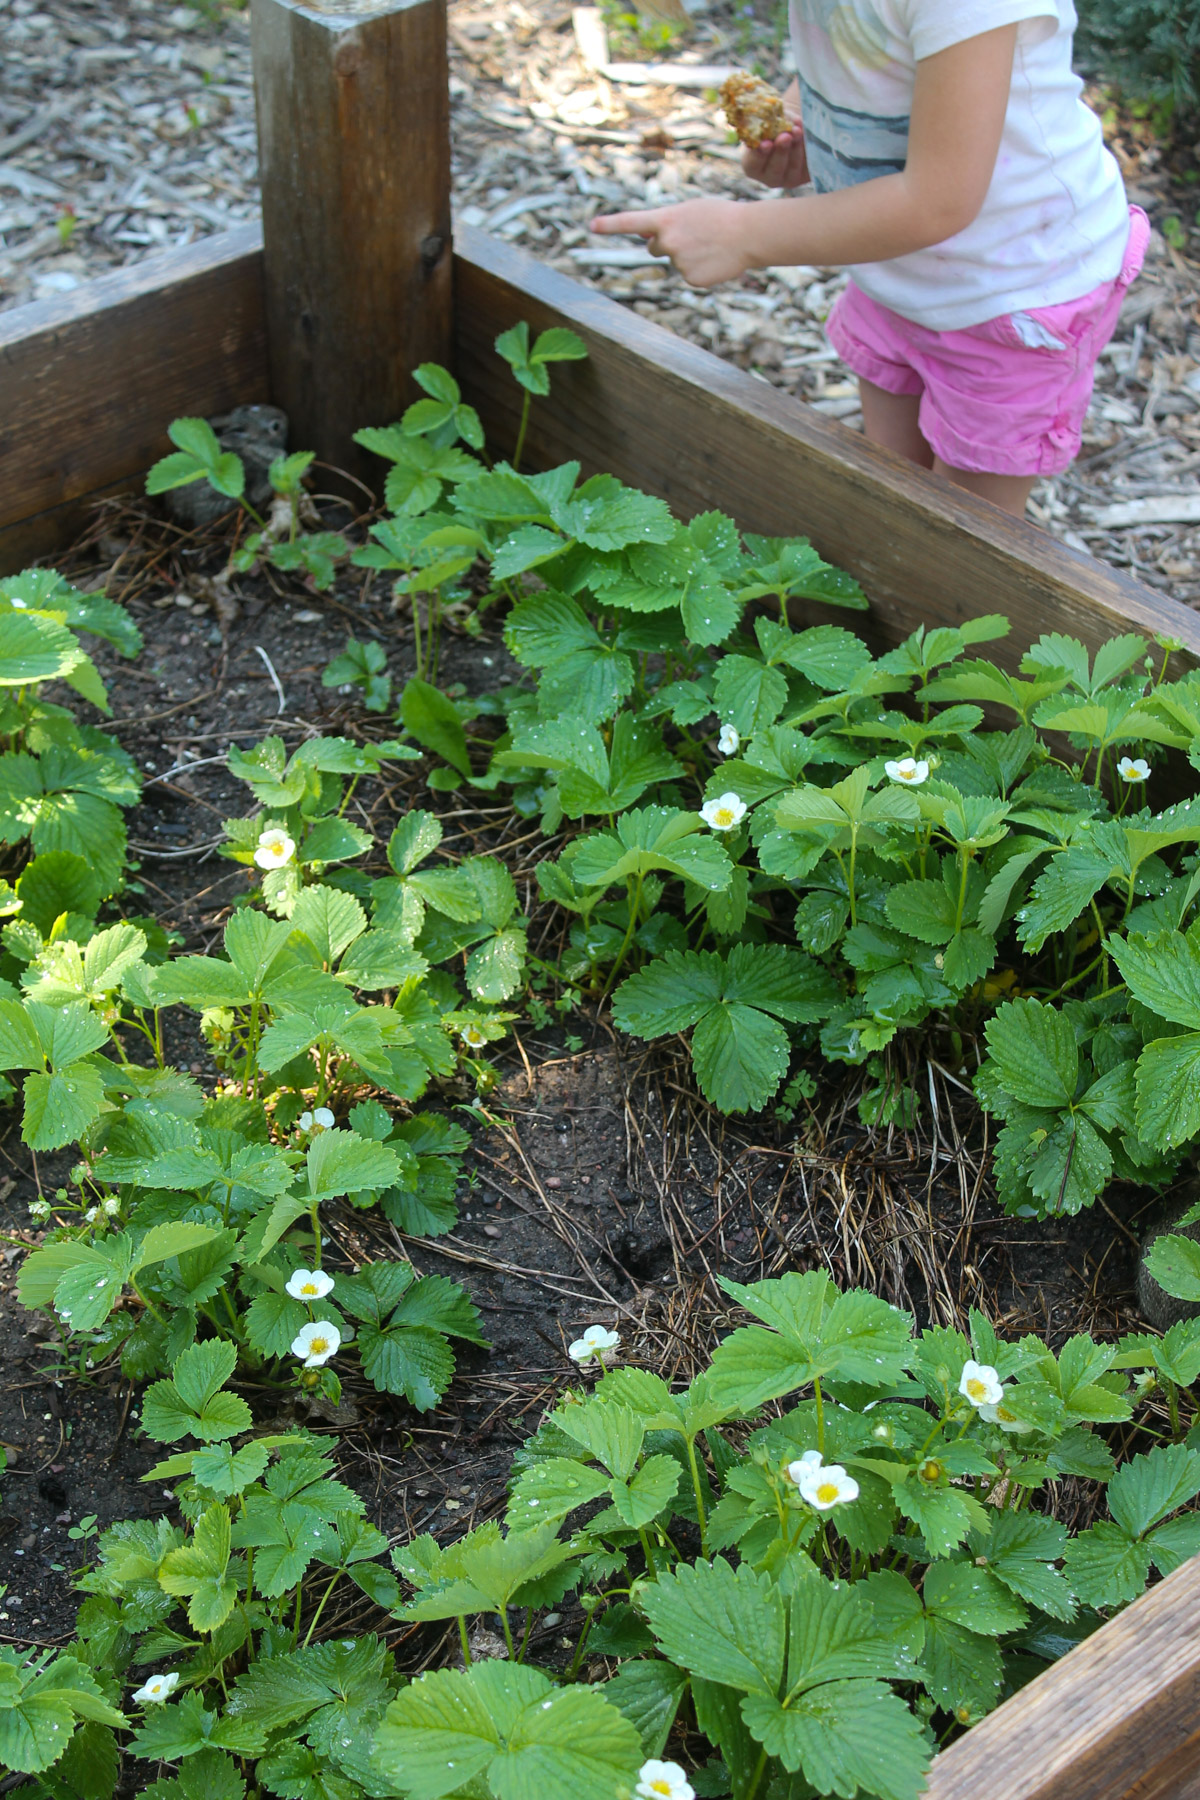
column 660, row 1787
column 907, row 774
column 318, row 1346
column 308, row 1287
column 1002, row 1412
column 976, row 1389
column 827, row 1493
column 724, row 815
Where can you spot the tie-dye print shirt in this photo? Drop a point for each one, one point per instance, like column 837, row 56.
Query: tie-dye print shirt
column 1054, row 223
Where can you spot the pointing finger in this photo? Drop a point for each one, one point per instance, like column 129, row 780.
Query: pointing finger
column 633, row 224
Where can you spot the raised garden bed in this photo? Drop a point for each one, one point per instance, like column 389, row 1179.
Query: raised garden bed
column 661, row 1196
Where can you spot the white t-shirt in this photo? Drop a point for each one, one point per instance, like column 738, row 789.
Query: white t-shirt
column 1055, row 221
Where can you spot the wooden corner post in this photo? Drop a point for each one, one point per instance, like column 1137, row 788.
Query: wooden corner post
column 354, row 150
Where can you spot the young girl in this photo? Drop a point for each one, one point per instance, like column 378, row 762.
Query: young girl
column 965, row 184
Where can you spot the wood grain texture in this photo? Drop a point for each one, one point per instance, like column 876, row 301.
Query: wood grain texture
column 1176, row 1778
column 354, row 154
column 90, row 381
column 679, row 422
column 1099, row 1722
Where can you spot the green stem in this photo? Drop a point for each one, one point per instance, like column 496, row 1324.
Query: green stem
column 756, row 1777
column 433, row 632
column 526, row 1634
column 820, row 1416
column 853, row 859
column 698, row 1490
column 464, row 1641
column 647, row 1552
column 508, row 1636
column 321, row 1608
column 231, row 1309
column 314, row 1213
column 578, row 1656
column 524, row 426
column 635, row 903
column 148, row 1304
column 962, row 890
column 418, row 661
column 1082, row 975
column 250, row 1078
column 1100, row 935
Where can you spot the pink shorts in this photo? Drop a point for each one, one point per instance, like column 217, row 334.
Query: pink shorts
column 1006, row 397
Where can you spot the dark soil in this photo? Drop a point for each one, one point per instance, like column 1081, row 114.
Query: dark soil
column 604, row 1191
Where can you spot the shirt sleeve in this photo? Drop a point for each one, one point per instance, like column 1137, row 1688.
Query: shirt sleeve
column 937, row 24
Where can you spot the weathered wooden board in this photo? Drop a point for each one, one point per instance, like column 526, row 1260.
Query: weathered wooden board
column 1114, row 1720
column 90, row 381
column 1176, row 1778
column 354, row 152
column 679, row 422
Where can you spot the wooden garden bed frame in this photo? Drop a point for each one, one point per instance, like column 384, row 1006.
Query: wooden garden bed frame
column 355, row 283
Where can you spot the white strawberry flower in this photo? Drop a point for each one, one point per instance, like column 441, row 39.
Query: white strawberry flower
column 907, row 770
column 723, row 813
column 275, row 848
column 597, row 1342
column 320, row 1119
column 663, row 1781
column 112, row 1206
column 39, row 1209
column 92, row 1214
column 804, row 1465
column 473, row 1038
column 828, row 1485
column 1006, row 1420
column 1133, row 768
column 729, row 740
column 158, row 1689
column 980, row 1384
column 316, row 1343
column 309, row 1284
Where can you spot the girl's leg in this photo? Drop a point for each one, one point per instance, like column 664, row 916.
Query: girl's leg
column 891, row 420
column 1009, row 492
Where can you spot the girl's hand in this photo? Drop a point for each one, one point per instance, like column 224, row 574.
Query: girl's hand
column 703, row 238
column 781, row 162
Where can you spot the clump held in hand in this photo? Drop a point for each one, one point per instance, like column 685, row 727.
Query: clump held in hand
column 753, row 109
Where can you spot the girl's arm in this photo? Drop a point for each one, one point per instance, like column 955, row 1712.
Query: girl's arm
column 960, row 98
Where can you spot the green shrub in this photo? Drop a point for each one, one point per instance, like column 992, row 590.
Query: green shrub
column 1149, row 48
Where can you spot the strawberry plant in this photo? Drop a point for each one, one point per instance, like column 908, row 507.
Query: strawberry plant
column 743, row 797
column 825, row 1588
column 836, row 1545
column 886, row 1512
column 198, row 456
column 63, row 785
